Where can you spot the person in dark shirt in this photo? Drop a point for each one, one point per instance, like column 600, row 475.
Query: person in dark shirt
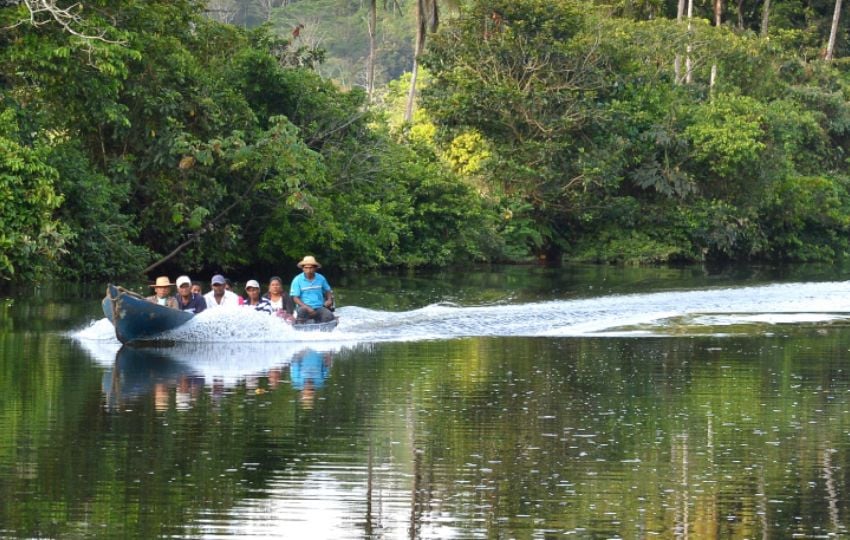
column 186, row 299
column 280, row 301
column 253, row 299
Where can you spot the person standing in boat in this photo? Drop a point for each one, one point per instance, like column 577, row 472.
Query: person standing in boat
column 219, row 296
column 312, row 293
column 280, row 302
column 253, row 298
column 187, row 300
column 162, row 290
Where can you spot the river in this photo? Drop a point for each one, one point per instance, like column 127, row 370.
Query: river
column 509, row 402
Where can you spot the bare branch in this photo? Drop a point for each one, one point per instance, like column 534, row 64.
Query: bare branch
column 42, row 12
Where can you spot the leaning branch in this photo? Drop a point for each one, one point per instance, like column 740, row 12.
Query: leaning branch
column 195, row 236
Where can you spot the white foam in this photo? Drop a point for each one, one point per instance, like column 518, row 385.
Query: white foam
column 634, row 314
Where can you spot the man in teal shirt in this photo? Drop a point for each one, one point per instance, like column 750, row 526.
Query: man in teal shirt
column 311, row 293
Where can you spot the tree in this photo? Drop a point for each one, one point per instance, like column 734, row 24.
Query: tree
column 718, row 19
column 427, row 20
column 370, row 70
column 223, row 11
column 70, row 18
column 523, row 74
column 677, row 62
column 765, row 17
column 31, row 238
column 830, row 47
column 688, row 64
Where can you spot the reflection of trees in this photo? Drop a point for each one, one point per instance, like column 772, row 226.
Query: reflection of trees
column 143, row 469
column 493, row 437
column 548, row 438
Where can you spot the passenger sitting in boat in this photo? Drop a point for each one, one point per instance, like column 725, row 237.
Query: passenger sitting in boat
column 197, row 288
column 188, row 300
column 162, row 288
column 312, row 293
column 253, row 299
column 219, row 296
column 281, row 302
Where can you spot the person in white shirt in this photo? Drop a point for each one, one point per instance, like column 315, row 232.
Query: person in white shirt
column 219, row 296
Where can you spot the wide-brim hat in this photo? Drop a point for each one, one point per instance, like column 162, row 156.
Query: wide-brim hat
column 162, row 281
column 309, row 259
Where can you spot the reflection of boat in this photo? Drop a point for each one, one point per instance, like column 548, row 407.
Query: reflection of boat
column 134, row 318
column 189, row 367
column 136, row 372
column 309, row 368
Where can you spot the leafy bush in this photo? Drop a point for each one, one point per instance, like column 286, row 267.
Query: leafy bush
column 31, row 238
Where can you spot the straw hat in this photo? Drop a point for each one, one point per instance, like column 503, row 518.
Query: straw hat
column 309, row 259
column 162, row 281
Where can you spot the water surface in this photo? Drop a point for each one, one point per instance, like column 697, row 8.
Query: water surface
column 509, row 403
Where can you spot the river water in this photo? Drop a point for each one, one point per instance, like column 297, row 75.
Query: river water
column 587, row 402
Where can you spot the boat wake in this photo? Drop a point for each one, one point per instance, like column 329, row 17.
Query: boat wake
column 719, row 311
column 225, row 345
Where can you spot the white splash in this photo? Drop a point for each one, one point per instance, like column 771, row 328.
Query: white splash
column 228, row 344
column 792, row 303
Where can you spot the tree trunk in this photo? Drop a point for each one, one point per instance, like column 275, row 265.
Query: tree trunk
column 677, row 63
column 427, row 19
column 718, row 20
column 414, row 72
column 688, row 64
column 411, row 94
column 830, row 48
column 765, row 17
column 370, row 74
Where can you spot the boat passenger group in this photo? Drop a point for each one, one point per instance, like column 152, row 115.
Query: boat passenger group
column 310, row 297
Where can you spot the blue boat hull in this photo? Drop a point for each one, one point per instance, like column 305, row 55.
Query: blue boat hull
column 135, row 318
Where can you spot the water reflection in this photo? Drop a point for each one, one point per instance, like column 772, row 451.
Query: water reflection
column 308, row 372
column 175, row 377
column 139, row 372
column 735, row 424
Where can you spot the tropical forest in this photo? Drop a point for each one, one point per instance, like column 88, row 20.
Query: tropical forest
column 228, row 134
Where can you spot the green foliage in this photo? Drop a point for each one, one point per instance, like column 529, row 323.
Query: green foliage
column 630, row 248
column 340, row 28
column 808, row 218
column 102, row 243
column 543, row 128
column 387, row 206
column 723, row 231
column 468, row 153
column 31, row 239
column 726, row 134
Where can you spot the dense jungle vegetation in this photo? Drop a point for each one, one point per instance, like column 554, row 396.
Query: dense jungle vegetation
column 226, row 134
